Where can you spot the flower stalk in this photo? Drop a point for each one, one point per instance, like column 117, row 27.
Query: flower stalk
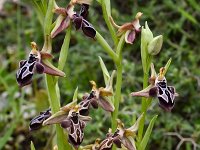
column 150, row 46
column 106, row 14
column 118, row 87
column 51, row 81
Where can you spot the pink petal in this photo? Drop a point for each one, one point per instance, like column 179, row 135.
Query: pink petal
column 130, row 36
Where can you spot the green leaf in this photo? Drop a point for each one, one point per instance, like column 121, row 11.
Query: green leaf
column 188, row 16
column 167, row 66
column 7, row 135
column 32, row 146
column 107, row 5
column 105, row 71
column 99, row 1
column 146, row 137
column 75, row 94
column 194, row 4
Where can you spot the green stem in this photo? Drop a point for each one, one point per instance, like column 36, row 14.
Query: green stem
column 106, row 16
column 55, row 106
column 47, row 27
column 49, row 17
column 145, row 101
column 144, row 108
column 51, row 81
column 106, row 47
column 118, row 83
column 117, row 97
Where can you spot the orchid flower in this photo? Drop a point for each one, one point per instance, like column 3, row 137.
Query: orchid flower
column 130, row 29
column 36, row 63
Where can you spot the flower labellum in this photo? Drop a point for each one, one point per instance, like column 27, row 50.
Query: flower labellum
column 80, row 21
column 159, row 88
column 37, row 122
column 69, row 118
column 75, row 130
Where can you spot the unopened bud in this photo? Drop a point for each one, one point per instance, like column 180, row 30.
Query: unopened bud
column 147, row 35
column 155, row 45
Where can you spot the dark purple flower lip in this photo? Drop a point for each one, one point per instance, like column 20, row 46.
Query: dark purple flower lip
column 36, row 123
column 80, row 22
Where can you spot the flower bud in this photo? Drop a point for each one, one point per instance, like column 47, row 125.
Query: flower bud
column 147, row 35
column 155, row 45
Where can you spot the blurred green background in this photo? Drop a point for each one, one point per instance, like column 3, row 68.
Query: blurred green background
column 177, row 21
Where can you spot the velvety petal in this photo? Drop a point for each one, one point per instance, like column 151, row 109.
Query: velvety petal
column 105, row 104
column 130, row 36
column 36, row 122
column 39, row 68
column 84, row 11
column 78, row 22
column 167, row 106
column 73, row 142
column 24, row 81
column 65, row 123
column 89, row 31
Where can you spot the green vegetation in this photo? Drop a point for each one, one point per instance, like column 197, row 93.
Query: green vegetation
column 178, row 22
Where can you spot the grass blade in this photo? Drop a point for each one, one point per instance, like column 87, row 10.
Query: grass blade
column 146, row 137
